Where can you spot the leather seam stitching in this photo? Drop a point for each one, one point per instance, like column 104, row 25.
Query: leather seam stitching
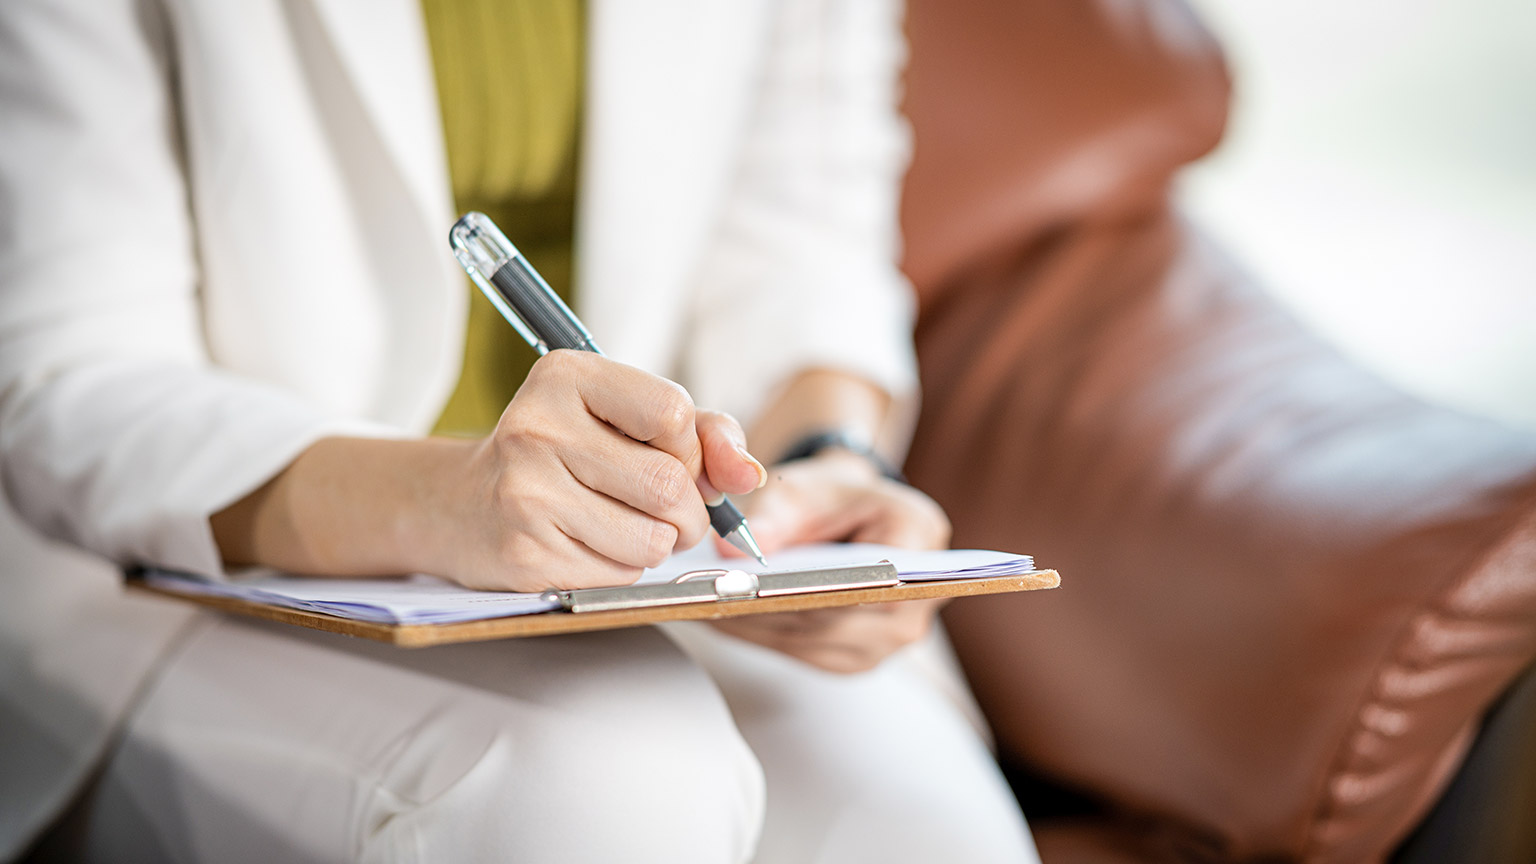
column 1519, row 527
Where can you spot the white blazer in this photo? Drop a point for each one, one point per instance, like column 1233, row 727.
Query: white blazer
column 223, row 235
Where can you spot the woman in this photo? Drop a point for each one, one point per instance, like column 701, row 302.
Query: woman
column 229, row 318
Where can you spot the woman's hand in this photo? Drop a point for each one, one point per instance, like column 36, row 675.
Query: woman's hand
column 839, row 496
column 595, row 470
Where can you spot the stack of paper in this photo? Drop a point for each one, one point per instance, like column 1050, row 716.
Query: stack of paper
column 429, row 600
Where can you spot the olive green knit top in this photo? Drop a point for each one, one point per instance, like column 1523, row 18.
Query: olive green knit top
column 509, row 80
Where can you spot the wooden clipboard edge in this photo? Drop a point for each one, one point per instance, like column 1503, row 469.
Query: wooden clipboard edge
column 551, row 623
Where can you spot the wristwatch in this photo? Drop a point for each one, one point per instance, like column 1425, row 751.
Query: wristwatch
column 841, row 439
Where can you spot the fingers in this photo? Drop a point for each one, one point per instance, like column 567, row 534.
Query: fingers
column 910, row 520
column 582, row 567
column 617, row 531
column 644, row 478
column 824, row 499
column 525, row 551
column 547, row 529
column 846, row 640
column 643, row 406
column 796, row 509
column 669, row 438
column 601, row 468
column 728, row 466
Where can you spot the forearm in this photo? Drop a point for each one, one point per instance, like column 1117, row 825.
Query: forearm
column 819, row 400
column 347, row 507
column 589, row 477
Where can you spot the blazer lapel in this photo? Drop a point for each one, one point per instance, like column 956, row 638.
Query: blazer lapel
column 668, row 87
column 666, row 104
column 382, row 47
column 403, row 198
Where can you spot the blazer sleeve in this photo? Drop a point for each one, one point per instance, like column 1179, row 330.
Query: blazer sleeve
column 117, row 433
column 804, row 270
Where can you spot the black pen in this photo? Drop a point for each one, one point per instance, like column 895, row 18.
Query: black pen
column 538, row 314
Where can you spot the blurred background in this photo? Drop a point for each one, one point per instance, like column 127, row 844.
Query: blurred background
column 1379, row 174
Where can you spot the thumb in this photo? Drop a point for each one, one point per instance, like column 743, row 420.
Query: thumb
column 728, row 467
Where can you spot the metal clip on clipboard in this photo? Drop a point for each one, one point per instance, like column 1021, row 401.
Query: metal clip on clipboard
column 716, row 586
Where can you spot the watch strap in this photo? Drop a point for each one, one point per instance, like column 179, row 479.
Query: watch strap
column 839, row 439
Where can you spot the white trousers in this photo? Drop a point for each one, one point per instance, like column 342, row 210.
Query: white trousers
column 269, row 743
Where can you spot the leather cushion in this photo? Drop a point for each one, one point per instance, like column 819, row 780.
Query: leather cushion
column 1289, row 590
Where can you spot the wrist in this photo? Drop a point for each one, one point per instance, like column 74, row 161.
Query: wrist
column 841, row 444
column 426, row 517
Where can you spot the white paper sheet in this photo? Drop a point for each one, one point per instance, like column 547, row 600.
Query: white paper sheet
column 429, row 600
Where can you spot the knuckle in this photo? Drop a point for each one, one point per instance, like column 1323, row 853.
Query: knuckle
column 658, row 543
column 720, row 421
column 507, row 497
column 672, row 407
column 559, row 372
column 544, row 372
column 519, row 430
column 522, row 509
column 666, row 484
column 512, row 493
column 557, row 365
column 690, row 530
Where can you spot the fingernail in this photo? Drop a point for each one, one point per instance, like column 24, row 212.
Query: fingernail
column 762, row 473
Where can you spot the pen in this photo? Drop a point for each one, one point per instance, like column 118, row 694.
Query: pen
column 538, row 314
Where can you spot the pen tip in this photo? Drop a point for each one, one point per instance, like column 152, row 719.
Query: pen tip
column 742, row 539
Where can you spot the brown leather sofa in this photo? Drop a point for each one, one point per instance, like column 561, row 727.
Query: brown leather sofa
column 1289, row 591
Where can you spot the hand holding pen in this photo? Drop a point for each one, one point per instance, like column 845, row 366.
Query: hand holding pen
column 590, row 476
column 596, row 468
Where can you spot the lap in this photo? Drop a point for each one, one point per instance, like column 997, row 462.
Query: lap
column 884, row 766
column 260, row 742
column 265, row 742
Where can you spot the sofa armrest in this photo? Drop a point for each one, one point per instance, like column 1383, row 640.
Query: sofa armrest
column 1289, row 590
column 1479, row 818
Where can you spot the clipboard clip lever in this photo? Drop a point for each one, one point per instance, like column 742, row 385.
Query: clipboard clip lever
column 729, row 584
column 722, row 585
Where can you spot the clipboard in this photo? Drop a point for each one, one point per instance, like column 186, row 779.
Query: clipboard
column 699, row 595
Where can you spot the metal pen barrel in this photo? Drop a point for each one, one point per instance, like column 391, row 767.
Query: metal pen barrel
column 543, row 310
